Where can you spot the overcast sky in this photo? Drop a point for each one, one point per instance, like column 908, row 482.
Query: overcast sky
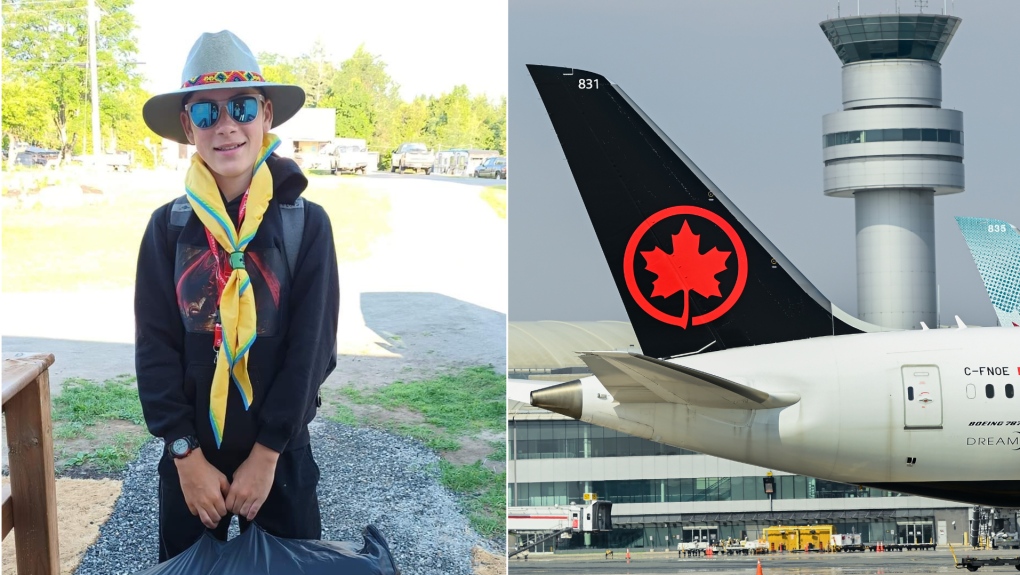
column 429, row 47
column 741, row 86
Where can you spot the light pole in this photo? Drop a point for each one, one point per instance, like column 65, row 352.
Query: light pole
column 93, row 16
column 769, row 483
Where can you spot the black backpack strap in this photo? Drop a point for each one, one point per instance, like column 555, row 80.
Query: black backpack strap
column 293, row 216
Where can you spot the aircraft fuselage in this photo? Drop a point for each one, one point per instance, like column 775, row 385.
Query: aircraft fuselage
column 908, row 411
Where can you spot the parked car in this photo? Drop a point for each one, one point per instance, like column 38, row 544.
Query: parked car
column 492, row 168
column 414, row 156
column 33, row 156
column 349, row 155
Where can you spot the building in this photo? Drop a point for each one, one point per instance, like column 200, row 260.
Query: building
column 663, row 495
column 892, row 149
column 306, row 133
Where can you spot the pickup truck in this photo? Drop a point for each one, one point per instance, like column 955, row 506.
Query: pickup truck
column 412, row 156
column 349, row 155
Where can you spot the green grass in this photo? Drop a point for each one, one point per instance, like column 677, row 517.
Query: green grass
column 427, row 435
column 483, row 492
column 498, row 451
column 453, row 406
column 84, row 402
column 343, row 414
column 355, row 395
column 81, row 409
column 110, row 457
column 95, row 246
column 466, row 402
column 495, row 196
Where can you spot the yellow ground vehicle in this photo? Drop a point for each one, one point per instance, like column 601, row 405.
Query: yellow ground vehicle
column 798, row 537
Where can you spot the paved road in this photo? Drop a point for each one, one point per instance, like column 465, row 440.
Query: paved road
column 644, row 563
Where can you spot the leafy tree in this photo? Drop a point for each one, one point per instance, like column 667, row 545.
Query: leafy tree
column 45, row 47
column 368, row 105
column 317, row 74
column 277, row 68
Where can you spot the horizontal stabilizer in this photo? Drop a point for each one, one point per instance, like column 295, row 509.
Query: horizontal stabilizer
column 635, row 378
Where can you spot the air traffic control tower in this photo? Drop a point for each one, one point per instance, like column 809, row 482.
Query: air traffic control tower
column 893, row 149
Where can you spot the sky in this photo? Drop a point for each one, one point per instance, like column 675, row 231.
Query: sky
column 429, row 47
column 741, row 87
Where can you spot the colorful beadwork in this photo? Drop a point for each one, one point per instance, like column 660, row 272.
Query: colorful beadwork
column 224, row 77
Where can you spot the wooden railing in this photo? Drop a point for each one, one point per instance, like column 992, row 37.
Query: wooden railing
column 30, row 504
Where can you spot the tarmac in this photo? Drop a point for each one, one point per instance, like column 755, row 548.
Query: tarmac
column 661, row 563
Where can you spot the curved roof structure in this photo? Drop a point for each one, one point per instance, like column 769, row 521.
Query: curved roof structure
column 911, row 36
column 553, row 345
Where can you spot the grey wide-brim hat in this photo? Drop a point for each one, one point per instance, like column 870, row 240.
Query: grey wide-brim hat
column 217, row 61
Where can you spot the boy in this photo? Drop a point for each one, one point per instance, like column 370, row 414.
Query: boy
column 234, row 334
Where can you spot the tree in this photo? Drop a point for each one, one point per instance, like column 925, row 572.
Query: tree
column 316, row 73
column 368, row 104
column 456, row 120
column 45, row 49
column 277, row 68
column 366, row 100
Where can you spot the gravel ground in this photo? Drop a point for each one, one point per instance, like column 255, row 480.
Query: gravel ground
column 417, row 515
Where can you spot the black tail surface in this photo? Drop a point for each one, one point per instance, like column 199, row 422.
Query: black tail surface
column 692, row 270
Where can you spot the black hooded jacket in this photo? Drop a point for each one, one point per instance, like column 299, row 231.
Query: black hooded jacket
column 295, row 348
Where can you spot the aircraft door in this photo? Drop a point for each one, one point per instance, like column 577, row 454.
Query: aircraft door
column 922, row 397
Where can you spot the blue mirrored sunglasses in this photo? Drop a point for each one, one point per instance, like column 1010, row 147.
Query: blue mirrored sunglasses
column 242, row 109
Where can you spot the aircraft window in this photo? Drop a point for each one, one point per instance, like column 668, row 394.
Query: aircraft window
column 971, row 391
column 910, row 393
column 1009, row 390
column 989, row 391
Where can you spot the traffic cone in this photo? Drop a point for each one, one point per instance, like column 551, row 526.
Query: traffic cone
column 628, row 555
column 758, row 570
column 708, row 551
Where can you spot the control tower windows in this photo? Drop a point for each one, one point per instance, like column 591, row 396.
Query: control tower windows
column 892, row 135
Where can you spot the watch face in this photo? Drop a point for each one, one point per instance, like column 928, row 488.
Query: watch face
column 179, row 447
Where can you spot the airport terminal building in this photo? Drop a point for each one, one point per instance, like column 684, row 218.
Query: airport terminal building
column 663, row 495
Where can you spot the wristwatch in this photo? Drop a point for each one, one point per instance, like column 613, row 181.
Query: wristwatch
column 181, row 448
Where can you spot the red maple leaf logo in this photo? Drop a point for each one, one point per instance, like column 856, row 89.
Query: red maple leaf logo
column 686, row 269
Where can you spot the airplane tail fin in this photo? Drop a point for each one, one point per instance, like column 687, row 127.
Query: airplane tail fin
column 995, row 246
column 694, row 273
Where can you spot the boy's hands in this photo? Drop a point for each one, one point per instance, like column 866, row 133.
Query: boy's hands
column 204, row 488
column 252, row 482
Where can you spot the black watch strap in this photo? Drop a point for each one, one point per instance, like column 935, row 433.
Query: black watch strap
column 181, row 448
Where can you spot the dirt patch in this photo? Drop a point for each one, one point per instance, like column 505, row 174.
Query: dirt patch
column 485, row 563
column 113, row 432
column 474, row 448
column 83, row 505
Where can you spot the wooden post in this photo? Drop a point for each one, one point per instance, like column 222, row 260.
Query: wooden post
column 26, row 403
